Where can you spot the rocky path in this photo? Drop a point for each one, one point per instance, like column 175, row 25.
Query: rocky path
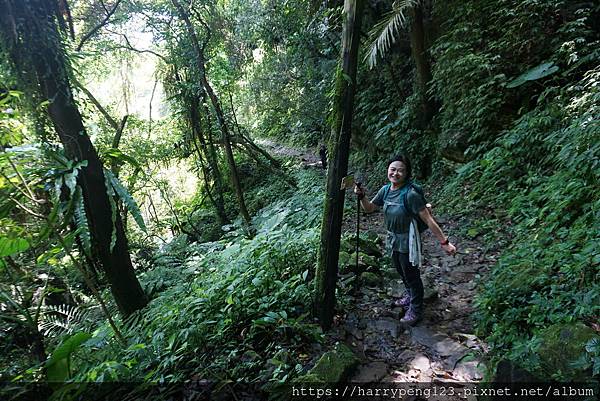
column 442, row 347
column 308, row 157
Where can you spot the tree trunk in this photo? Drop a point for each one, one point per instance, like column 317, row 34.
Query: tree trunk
column 423, row 74
column 248, row 142
column 212, row 171
column 39, row 43
column 235, row 182
column 211, row 151
column 422, row 65
column 206, row 151
column 331, row 228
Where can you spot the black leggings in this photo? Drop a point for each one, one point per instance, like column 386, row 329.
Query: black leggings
column 411, row 277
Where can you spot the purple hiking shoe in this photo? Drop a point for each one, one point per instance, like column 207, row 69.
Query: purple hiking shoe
column 411, row 318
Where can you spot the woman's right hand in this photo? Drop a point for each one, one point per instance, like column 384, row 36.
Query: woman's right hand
column 449, row 248
column 359, row 191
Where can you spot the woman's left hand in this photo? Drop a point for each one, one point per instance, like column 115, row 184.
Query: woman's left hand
column 449, row 248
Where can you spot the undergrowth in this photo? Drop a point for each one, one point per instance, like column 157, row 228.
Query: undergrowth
column 539, row 184
column 232, row 309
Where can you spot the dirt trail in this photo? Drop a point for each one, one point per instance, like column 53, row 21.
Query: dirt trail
column 442, row 347
column 308, row 157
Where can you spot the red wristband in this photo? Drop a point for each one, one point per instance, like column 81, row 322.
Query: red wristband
column 445, row 242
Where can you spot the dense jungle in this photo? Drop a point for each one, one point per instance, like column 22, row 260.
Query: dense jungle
column 181, row 182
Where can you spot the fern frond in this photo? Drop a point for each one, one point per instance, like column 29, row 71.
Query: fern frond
column 127, row 199
column 113, row 208
column 81, row 220
column 385, row 32
column 70, row 178
column 61, row 319
column 17, row 307
column 58, row 183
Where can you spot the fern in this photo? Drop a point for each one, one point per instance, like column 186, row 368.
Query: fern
column 83, row 228
column 66, row 176
column 127, row 199
column 61, row 319
column 70, row 178
column 113, row 209
column 385, row 31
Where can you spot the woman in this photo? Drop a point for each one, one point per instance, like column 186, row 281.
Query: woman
column 401, row 203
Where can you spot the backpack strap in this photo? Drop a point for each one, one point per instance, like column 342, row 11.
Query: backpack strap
column 411, row 187
column 386, row 191
column 421, row 225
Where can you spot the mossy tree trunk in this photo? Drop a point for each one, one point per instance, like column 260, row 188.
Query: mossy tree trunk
column 331, row 228
column 33, row 42
column 210, row 171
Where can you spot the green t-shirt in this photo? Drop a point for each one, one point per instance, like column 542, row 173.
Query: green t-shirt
column 396, row 217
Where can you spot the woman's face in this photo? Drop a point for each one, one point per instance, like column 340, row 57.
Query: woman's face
column 397, row 173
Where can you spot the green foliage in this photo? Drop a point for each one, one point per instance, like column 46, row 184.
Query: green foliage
column 12, row 129
column 541, row 71
column 471, row 70
column 290, row 60
column 11, row 246
column 386, row 121
column 591, row 359
column 126, row 198
column 386, row 32
column 540, row 177
column 44, row 229
column 517, row 85
column 58, row 366
column 82, row 223
column 227, row 306
column 56, row 320
column 262, row 187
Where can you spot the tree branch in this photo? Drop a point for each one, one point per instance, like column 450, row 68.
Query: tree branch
column 113, row 123
column 102, row 23
column 129, row 46
column 204, row 24
column 150, row 109
column 25, row 208
column 117, row 138
column 31, row 196
column 114, row 167
column 39, row 202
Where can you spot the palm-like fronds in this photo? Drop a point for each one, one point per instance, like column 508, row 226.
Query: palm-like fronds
column 60, row 319
column 385, row 32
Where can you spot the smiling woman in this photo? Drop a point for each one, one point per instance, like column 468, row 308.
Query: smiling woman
column 403, row 205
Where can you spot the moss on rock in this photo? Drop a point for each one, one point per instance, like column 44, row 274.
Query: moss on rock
column 561, row 345
column 370, row 279
column 335, row 365
column 344, row 260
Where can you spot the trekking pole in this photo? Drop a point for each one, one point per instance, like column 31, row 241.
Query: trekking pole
column 357, row 224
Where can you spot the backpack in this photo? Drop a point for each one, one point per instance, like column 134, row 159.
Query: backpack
column 421, row 225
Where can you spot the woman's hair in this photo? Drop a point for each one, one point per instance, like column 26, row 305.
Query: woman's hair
column 404, row 159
